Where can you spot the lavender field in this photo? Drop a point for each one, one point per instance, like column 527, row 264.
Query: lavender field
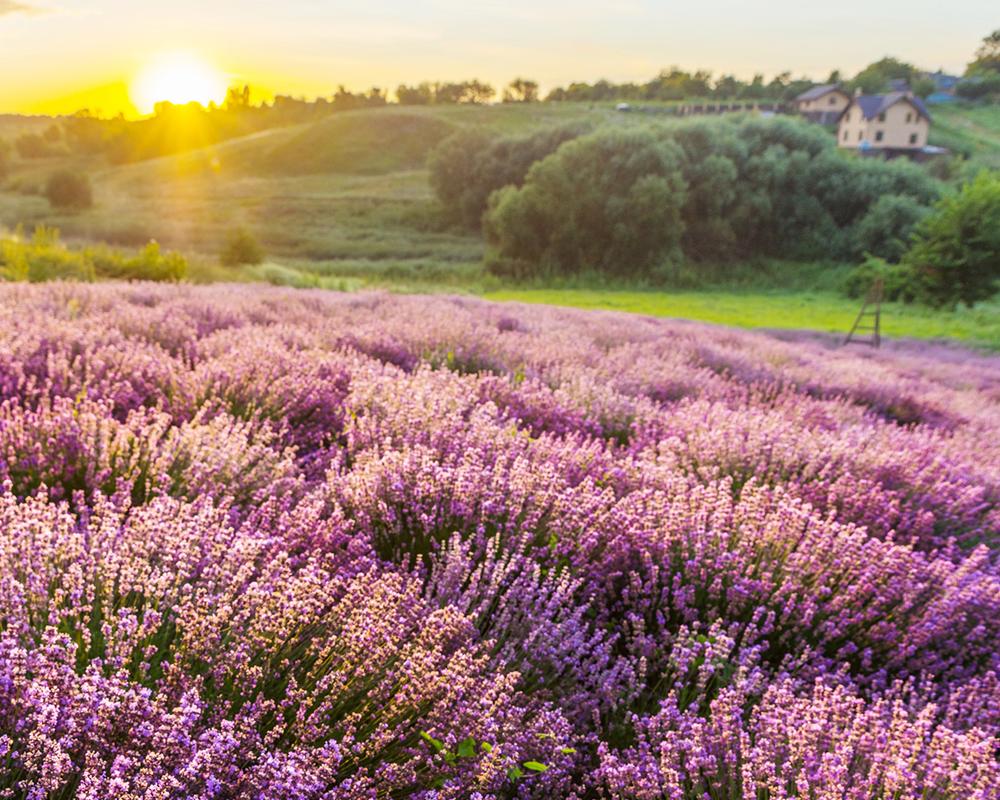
column 263, row 543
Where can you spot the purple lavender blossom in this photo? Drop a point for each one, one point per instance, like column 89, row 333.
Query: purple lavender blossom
column 265, row 543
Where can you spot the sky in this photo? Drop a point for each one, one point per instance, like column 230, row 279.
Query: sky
column 57, row 56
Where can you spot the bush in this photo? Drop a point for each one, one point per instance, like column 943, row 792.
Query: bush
column 69, row 191
column 149, row 265
column 42, row 258
column 33, row 145
column 470, row 165
column 897, row 280
column 979, row 87
column 885, row 230
column 45, row 258
column 241, row 248
column 609, row 202
column 955, row 255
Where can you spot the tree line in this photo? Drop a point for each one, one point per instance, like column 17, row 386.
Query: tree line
column 638, row 203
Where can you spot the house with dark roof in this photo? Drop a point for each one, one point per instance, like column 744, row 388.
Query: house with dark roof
column 944, row 87
column 891, row 124
column 823, row 104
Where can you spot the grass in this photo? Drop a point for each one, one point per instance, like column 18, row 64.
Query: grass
column 344, row 203
column 973, row 131
column 820, row 311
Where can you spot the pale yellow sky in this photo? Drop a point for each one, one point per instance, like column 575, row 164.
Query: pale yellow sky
column 59, row 55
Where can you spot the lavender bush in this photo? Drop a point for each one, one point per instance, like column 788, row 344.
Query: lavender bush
column 259, row 543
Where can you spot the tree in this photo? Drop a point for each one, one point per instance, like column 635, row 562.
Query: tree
column 449, row 93
column 470, row 165
column 454, row 167
column 885, row 230
column 727, row 87
column 955, row 255
column 979, row 86
column 875, row 77
column 237, row 98
column 4, row 158
column 987, row 56
column 609, row 202
column 421, row 95
column 521, row 90
column 924, row 87
column 478, row 92
column 69, row 191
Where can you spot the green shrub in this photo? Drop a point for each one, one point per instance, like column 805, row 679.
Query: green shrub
column 151, row 264
column 609, row 202
column 885, row 229
column 42, row 258
column 897, row 280
column 241, row 248
column 467, row 167
column 45, row 258
column 955, row 254
column 69, row 191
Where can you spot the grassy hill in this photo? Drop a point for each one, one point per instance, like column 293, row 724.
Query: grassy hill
column 972, row 131
column 338, row 202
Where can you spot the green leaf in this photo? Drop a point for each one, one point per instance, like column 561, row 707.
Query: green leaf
column 566, row 751
column 436, row 745
column 467, row 748
column 515, row 773
column 487, row 747
column 535, row 766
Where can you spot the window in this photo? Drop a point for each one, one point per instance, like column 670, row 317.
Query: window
column 833, row 100
column 909, row 116
column 845, row 134
column 861, row 135
column 881, row 117
column 879, row 135
column 913, row 138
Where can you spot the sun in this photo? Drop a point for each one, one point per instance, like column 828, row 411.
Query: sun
column 177, row 78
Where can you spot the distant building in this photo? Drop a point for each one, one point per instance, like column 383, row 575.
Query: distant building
column 889, row 124
column 944, row 82
column 944, row 88
column 823, row 104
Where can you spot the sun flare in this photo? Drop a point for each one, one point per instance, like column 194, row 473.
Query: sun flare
column 178, row 78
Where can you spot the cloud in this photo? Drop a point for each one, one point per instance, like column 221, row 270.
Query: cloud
column 15, row 7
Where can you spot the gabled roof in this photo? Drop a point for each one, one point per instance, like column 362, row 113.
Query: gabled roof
column 818, row 91
column 872, row 105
